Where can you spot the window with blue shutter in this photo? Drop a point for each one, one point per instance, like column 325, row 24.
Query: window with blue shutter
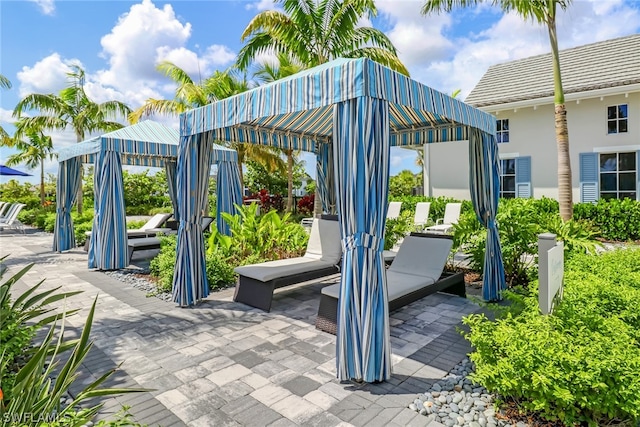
column 523, row 177
column 589, row 191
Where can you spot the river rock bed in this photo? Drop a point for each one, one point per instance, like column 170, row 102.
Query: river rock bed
column 138, row 278
column 456, row 401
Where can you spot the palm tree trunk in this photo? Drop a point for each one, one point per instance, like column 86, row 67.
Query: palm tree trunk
column 289, row 180
column 42, row 182
column 79, row 200
column 565, row 190
column 565, row 187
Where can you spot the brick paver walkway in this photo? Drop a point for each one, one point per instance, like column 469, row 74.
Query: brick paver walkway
column 226, row 364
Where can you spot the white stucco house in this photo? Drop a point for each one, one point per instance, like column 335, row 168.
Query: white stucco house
column 602, row 93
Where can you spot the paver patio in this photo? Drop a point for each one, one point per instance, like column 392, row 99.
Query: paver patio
column 226, row 364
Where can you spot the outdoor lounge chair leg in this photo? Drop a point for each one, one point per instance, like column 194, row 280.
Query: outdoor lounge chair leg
column 457, row 288
column 254, row 293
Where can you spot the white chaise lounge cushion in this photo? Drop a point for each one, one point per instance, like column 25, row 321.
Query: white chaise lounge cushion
column 419, row 263
column 323, row 250
column 281, row 268
column 422, row 256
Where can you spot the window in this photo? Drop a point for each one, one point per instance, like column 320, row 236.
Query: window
column 502, row 134
column 617, row 118
column 508, row 178
column 618, row 175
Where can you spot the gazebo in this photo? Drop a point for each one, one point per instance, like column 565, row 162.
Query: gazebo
column 146, row 143
column 349, row 112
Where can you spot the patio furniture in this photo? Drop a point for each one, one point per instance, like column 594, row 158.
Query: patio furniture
column 417, row 271
column 10, row 220
column 393, row 211
column 151, row 241
column 257, row 282
column 421, row 215
column 149, row 229
column 451, row 216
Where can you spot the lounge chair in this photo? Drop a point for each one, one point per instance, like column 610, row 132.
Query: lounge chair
column 451, row 216
column 417, row 271
column 10, row 220
column 393, row 211
column 153, row 242
column 421, row 215
column 3, row 207
column 152, row 227
column 257, row 282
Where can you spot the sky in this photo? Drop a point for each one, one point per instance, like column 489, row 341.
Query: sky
column 120, row 42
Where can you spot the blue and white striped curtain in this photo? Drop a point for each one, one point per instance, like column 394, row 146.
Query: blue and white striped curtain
column 194, row 164
column 67, row 186
column 228, row 193
column 325, row 178
column 170, row 169
column 361, row 159
column 484, row 182
column 108, row 246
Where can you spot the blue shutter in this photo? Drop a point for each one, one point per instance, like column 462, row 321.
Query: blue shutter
column 523, row 177
column 589, row 177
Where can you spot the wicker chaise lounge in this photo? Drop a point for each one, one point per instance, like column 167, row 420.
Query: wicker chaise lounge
column 257, row 282
column 417, row 271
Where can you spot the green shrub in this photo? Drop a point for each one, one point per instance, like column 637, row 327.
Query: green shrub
column 616, row 219
column 520, row 221
column 220, row 272
column 267, row 236
column 579, row 364
column 163, row 264
column 397, row 228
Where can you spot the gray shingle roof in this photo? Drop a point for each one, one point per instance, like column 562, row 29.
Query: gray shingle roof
column 599, row 65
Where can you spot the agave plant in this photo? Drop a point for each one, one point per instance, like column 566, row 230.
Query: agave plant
column 33, row 390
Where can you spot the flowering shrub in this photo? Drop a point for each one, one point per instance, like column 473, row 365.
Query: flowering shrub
column 305, row 205
column 268, row 201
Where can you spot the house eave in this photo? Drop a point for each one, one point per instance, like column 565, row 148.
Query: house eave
column 549, row 100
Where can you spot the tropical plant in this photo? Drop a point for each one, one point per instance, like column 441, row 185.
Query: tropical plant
column 267, row 73
column 32, row 151
column 71, row 108
column 579, row 364
column 5, row 83
column 543, row 12
column 190, row 95
column 264, row 236
column 315, row 32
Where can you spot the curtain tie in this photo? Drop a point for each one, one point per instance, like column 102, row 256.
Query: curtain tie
column 364, row 240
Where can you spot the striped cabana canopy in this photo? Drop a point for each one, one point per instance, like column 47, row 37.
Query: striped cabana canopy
column 147, row 143
column 297, row 112
column 349, row 112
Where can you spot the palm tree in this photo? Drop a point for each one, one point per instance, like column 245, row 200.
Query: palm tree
column 268, row 73
column 5, row 83
column 32, row 152
column 313, row 32
column 189, row 95
column 543, row 12
column 71, row 108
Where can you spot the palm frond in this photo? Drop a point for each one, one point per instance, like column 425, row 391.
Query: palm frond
column 167, row 107
column 45, row 103
column 174, row 72
column 380, row 56
column 5, row 82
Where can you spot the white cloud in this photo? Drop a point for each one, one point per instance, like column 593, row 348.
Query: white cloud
column 132, row 45
column 46, row 6
column 262, row 5
column 5, row 116
column 48, row 75
column 446, row 62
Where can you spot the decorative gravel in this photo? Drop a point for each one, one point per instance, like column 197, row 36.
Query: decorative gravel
column 137, row 279
column 456, row 401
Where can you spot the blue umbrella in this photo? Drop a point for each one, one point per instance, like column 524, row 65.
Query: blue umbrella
column 5, row 170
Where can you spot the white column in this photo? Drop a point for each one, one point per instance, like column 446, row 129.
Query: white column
column 426, row 163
